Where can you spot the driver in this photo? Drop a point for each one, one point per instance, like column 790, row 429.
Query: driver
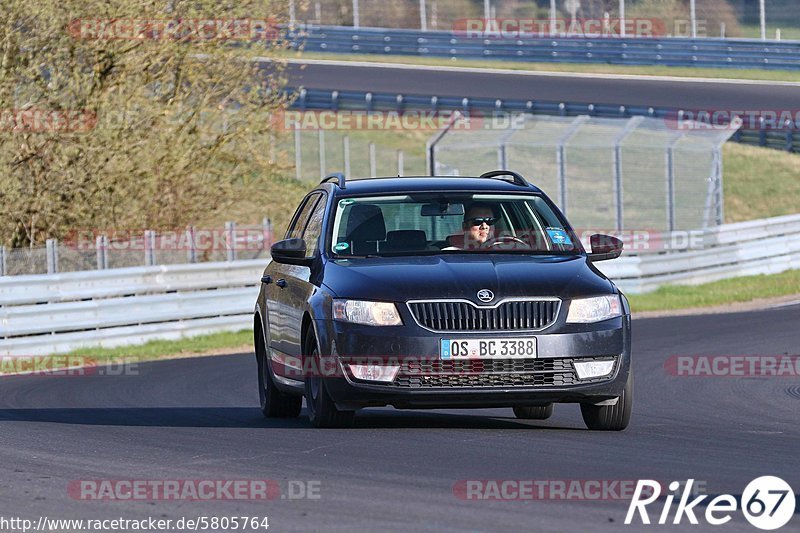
column 479, row 219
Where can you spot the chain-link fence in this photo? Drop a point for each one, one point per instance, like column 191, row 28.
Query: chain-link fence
column 709, row 18
column 97, row 250
column 617, row 174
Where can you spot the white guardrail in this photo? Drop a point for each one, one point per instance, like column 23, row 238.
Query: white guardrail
column 47, row 314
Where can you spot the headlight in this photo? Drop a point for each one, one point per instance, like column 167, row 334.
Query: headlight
column 367, row 313
column 587, row 310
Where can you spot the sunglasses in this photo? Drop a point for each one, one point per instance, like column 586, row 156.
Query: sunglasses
column 477, row 221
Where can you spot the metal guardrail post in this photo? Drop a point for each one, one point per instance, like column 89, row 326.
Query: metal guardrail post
column 101, row 247
column 52, row 255
column 191, row 245
column 230, row 239
column 3, row 264
column 149, row 248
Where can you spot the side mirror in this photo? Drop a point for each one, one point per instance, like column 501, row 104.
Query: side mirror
column 291, row 252
column 605, row 247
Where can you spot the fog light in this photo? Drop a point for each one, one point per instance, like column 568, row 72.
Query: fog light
column 382, row 373
column 593, row 369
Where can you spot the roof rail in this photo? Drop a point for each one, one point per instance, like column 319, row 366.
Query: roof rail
column 516, row 178
column 338, row 176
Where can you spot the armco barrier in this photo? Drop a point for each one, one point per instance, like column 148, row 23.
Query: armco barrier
column 787, row 138
column 46, row 314
column 679, row 52
column 767, row 246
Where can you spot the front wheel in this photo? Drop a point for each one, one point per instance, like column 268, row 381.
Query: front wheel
column 274, row 403
column 610, row 417
column 322, row 410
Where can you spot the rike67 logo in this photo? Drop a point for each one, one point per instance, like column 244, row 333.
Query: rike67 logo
column 768, row 503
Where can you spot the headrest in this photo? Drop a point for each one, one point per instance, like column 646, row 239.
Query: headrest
column 366, row 223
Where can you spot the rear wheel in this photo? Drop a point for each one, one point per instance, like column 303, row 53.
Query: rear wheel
column 538, row 412
column 274, row 403
column 610, row 417
column 322, row 411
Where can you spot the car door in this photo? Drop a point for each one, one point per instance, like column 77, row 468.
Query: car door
column 279, row 299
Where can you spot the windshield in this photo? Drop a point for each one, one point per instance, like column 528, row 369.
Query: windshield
column 444, row 223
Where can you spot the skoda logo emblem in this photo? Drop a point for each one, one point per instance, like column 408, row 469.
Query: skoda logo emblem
column 485, row 295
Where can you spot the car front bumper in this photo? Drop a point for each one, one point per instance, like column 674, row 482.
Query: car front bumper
column 425, row 381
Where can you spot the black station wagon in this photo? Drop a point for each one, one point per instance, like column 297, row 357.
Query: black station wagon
column 440, row 292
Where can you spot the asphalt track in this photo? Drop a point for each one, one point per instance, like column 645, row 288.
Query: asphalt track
column 396, row 470
column 657, row 92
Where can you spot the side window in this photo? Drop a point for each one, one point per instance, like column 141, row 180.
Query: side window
column 314, row 228
column 301, row 217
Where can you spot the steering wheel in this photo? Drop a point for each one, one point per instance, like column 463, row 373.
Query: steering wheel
column 506, row 239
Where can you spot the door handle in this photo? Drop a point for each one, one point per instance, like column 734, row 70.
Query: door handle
column 281, row 283
column 266, row 280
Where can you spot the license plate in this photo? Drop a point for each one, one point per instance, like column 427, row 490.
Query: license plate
column 488, row 348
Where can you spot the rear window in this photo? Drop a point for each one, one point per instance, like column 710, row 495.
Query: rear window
column 449, row 223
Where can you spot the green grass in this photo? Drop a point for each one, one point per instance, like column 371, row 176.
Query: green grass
column 186, row 347
column 760, row 182
column 735, row 290
column 687, row 72
column 753, row 31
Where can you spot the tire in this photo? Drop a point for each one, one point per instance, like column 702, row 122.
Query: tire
column 610, row 417
column 322, row 411
column 274, row 403
column 539, row 412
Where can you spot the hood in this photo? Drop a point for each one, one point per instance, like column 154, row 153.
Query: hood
column 400, row 279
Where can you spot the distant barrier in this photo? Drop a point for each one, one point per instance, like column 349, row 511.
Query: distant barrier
column 674, row 51
column 785, row 138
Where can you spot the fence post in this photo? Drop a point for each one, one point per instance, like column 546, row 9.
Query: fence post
column 561, row 160
column 149, row 247
column 267, row 240
column 101, row 246
column 401, row 156
column 3, row 265
column 373, row 161
column 423, row 16
column 298, row 149
column 230, row 239
column 52, row 256
column 346, row 150
column 322, row 170
column 191, row 250
column 629, row 127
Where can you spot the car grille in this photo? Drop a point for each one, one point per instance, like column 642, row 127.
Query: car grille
column 492, row 373
column 466, row 316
